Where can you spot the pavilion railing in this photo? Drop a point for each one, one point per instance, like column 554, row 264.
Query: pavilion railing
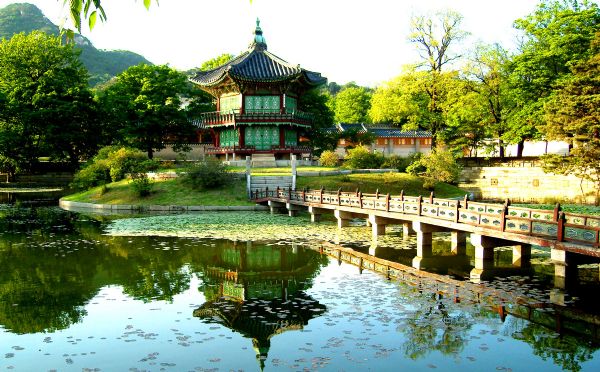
column 550, row 224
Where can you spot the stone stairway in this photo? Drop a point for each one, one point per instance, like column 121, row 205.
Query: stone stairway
column 263, row 160
column 272, row 182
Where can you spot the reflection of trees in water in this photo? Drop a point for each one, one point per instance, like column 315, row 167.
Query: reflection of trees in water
column 565, row 351
column 43, row 288
column 48, row 277
column 433, row 326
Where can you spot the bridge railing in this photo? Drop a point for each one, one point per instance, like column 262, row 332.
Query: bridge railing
column 549, row 224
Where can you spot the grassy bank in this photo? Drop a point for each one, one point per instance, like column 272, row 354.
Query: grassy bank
column 175, row 192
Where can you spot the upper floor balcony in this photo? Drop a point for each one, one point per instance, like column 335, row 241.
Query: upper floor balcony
column 233, row 117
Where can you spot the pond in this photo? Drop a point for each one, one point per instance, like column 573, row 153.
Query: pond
column 252, row 291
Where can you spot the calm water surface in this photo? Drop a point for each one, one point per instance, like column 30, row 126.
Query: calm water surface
column 74, row 298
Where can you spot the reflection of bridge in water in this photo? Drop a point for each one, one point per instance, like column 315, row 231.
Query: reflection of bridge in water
column 548, row 312
column 572, row 238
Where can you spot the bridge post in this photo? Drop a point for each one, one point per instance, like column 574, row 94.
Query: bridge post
column 377, row 225
column 407, row 230
column 521, row 255
column 315, row 213
column 565, row 267
column 459, row 242
column 343, row 218
column 424, row 242
column 292, row 209
column 484, row 255
column 275, row 207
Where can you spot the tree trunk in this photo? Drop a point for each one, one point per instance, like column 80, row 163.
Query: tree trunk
column 520, row 146
column 150, row 153
column 501, row 149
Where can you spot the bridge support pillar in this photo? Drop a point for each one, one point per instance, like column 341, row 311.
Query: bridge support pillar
column 521, row 255
column 377, row 225
column 459, row 242
column 407, row 230
column 367, row 222
column 292, row 209
column 276, row 207
column 315, row 213
column 484, row 255
column 424, row 242
column 343, row 218
column 565, row 267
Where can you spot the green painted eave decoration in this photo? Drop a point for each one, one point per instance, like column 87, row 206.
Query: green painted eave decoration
column 274, row 123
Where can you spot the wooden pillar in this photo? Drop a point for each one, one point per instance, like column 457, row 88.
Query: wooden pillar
column 281, row 136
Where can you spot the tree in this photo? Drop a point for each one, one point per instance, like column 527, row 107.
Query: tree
column 433, row 40
column 556, row 36
column 321, row 135
column 145, row 106
column 572, row 114
column 352, row 104
column 485, row 103
column 47, row 108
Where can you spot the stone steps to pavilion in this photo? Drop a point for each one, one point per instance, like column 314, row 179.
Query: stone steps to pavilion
column 271, row 182
column 264, row 160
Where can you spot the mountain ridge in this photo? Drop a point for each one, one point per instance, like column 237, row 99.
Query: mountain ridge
column 102, row 65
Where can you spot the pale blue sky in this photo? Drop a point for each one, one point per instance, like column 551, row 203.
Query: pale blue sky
column 360, row 40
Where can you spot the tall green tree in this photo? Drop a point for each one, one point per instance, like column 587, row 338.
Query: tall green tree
column 352, row 104
column 145, row 106
column 321, row 136
column 433, row 39
column 47, row 108
column 486, row 94
column 572, row 114
column 556, row 36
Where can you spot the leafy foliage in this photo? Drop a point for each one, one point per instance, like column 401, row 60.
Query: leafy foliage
column 321, row 138
column 397, row 162
column 112, row 164
column 556, row 36
column 47, row 108
column 208, row 174
column 351, row 104
column 361, row 157
column 141, row 184
column 329, row 158
column 440, row 166
column 144, row 105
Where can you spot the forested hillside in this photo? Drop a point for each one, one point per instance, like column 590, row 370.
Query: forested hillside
column 101, row 64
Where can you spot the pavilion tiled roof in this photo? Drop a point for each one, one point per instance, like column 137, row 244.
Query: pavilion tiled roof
column 257, row 65
column 381, row 130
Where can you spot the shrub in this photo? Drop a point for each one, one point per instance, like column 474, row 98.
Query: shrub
column 123, row 161
column 112, row 164
column 437, row 166
column 397, row 162
column 92, row 175
column 416, row 167
column 441, row 166
column 207, row 174
column 328, row 158
column 361, row 158
column 141, row 184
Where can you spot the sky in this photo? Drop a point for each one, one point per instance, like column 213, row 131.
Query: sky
column 364, row 41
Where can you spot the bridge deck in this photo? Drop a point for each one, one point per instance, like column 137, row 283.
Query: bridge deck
column 549, row 228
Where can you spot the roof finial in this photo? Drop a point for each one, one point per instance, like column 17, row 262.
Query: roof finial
column 259, row 41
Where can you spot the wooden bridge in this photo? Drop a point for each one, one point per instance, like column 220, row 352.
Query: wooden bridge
column 572, row 238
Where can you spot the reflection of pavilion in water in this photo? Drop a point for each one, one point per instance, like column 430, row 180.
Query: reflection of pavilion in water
column 257, row 290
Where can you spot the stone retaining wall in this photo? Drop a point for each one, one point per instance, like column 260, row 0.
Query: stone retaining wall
column 70, row 205
column 525, row 184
